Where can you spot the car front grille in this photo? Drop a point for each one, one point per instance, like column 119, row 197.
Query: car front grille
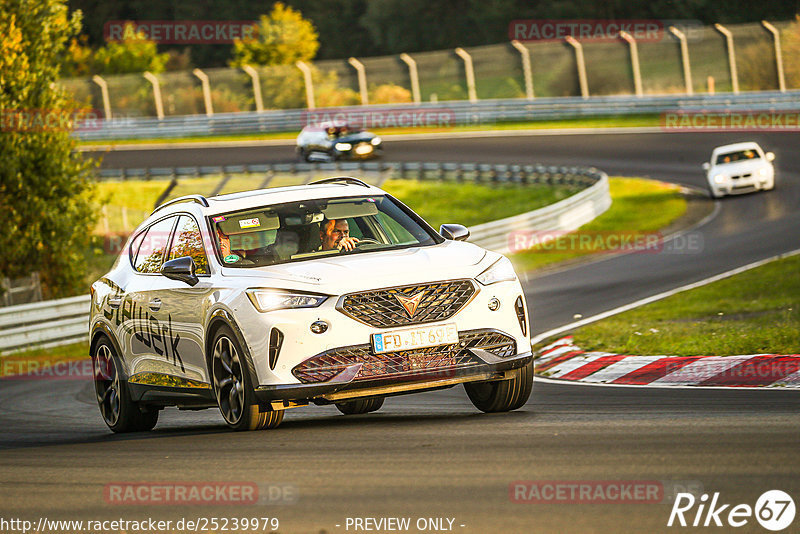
column 325, row 366
column 382, row 308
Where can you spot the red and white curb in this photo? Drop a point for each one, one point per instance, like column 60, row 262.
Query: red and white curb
column 565, row 361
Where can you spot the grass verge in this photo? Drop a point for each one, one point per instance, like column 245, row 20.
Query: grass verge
column 754, row 312
column 615, row 121
column 638, row 206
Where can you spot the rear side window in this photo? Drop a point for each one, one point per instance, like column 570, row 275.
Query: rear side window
column 189, row 242
column 153, row 245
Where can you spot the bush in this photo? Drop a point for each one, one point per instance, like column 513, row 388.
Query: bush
column 389, row 93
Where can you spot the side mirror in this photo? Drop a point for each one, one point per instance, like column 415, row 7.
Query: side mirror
column 182, row 269
column 454, row 232
column 770, row 156
column 706, row 166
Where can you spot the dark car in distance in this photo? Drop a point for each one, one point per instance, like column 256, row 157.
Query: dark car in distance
column 335, row 141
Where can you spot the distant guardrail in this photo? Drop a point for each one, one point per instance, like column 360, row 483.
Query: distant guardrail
column 64, row 321
column 482, row 112
column 43, row 324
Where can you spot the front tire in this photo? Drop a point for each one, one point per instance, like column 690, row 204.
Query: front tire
column 119, row 412
column 360, row 406
column 502, row 395
column 233, row 389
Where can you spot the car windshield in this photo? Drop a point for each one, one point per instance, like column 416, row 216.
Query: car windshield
column 310, row 229
column 739, row 155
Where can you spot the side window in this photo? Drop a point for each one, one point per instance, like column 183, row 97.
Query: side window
column 135, row 244
column 151, row 251
column 189, row 242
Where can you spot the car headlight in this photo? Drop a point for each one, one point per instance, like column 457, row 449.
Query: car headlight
column 500, row 271
column 343, row 147
column 719, row 179
column 762, row 171
column 376, row 140
column 270, row 300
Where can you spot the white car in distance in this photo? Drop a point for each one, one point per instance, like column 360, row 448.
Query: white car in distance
column 739, row 168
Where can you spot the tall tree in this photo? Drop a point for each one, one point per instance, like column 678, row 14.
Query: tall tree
column 45, row 187
column 282, row 38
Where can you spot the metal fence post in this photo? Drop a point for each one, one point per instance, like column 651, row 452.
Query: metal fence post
column 256, row 87
column 473, row 95
column 206, row 91
column 306, row 69
column 362, row 79
column 104, row 93
column 581, row 65
column 526, row 67
column 150, row 77
column 687, row 68
column 731, row 56
column 413, row 75
column 637, row 74
column 776, row 37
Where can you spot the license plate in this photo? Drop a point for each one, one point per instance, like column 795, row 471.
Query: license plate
column 415, row 338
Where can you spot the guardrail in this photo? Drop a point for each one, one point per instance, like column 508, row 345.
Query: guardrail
column 566, row 215
column 43, row 324
column 483, row 112
column 64, row 321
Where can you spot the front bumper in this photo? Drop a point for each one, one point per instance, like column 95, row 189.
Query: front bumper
column 484, row 366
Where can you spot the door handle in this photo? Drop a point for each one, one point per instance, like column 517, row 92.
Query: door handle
column 115, row 301
column 155, row 304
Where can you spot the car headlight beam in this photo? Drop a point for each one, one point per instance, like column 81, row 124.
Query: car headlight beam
column 343, row 147
column 266, row 300
column 500, row 271
column 376, row 141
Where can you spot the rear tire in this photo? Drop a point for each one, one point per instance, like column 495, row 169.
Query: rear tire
column 502, row 395
column 119, row 412
column 360, row 406
column 233, row 389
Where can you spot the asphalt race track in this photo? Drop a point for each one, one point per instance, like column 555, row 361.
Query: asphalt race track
column 432, row 455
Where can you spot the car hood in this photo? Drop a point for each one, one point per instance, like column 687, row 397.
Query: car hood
column 370, row 270
column 739, row 167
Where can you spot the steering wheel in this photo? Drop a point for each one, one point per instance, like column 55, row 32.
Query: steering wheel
column 368, row 241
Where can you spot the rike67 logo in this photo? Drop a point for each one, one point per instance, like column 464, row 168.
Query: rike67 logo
column 774, row 510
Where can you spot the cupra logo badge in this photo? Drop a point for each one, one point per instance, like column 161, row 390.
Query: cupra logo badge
column 410, row 303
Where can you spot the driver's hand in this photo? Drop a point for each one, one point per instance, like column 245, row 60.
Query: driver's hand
column 348, row 243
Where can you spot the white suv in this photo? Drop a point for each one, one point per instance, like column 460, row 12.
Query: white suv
column 260, row 301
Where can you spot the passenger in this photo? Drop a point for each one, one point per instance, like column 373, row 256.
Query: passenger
column 335, row 234
column 286, row 245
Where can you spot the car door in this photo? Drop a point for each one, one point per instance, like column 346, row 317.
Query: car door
column 176, row 309
column 141, row 341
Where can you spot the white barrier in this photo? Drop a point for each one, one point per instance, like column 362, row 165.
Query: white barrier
column 566, row 215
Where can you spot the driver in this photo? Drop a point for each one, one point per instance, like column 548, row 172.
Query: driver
column 335, row 234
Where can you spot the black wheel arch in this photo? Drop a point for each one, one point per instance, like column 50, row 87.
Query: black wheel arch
column 219, row 318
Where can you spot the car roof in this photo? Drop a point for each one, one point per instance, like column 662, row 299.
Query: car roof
column 749, row 145
column 265, row 197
